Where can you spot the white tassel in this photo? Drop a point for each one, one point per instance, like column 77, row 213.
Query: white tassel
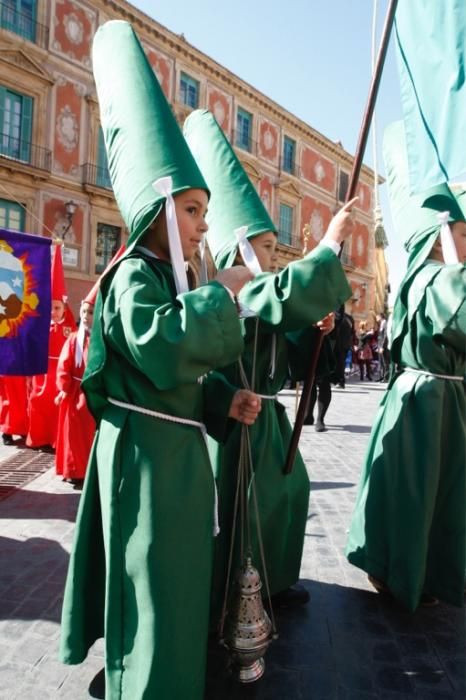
column 164, row 185
column 79, row 349
column 204, row 275
column 247, row 251
column 449, row 252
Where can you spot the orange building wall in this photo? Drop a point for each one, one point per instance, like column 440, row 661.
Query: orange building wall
column 220, row 106
column 67, row 128
column 317, row 169
column 268, row 141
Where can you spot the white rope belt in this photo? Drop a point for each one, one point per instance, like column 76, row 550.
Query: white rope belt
column 433, row 374
column 182, row 421
column 78, row 379
column 270, row 398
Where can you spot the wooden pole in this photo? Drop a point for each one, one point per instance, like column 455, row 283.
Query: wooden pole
column 356, row 169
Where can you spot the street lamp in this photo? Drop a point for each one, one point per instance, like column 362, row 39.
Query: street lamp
column 70, row 208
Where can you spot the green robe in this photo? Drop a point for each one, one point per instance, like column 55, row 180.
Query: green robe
column 140, row 569
column 408, row 527
column 300, row 295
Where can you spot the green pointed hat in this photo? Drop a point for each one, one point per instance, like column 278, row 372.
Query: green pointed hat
column 416, row 220
column 143, row 140
column 416, row 217
column 234, row 202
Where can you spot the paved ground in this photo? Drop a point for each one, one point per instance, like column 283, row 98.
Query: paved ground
column 348, row 644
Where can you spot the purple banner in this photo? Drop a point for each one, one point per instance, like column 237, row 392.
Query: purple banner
column 25, row 302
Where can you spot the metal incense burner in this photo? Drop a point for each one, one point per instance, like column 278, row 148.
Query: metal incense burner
column 248, row 629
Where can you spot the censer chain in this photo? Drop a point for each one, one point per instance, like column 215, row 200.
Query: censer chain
column 245, row 470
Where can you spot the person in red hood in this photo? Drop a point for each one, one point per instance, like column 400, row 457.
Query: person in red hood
column 76, row 426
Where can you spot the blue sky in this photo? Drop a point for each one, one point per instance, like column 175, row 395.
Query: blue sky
column 313, row 57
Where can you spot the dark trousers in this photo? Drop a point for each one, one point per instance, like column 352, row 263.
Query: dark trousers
column 322, row 394
column 361, row 364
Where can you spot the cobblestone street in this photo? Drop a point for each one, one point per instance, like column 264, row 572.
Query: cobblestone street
column 348, row 643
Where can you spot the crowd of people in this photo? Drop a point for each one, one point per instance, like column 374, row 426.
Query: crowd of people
column 172, row 374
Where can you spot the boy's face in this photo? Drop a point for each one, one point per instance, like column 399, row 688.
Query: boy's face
column 58, row 310
column 191, row 208
column 265, row 248
column 86, row 314
column 458, row 231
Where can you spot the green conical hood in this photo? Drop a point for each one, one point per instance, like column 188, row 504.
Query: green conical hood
column 234, row 201
column 142, row 138
column 415, row 220
column 414, row 216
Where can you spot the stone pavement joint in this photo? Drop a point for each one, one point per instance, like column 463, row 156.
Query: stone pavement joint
column 348, row 643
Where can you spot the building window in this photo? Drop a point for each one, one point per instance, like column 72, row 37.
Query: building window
column 289, row 155
column 15, row 124
column 285, row 228
column 243, row 129
column 189, row 91
column 11, row 215
column 102, row 175
column 107, row 244
column 343, row 183
column 19, row 16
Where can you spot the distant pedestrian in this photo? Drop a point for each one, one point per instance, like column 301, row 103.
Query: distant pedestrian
column 364, row 351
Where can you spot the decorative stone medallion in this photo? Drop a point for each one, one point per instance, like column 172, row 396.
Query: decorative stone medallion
column 67, row 129
column 74, row 29
column 319, row 171
column 317, row 225
column 219, row 112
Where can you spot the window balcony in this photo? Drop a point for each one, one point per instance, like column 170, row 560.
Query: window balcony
column 23, row 25
column 96, row 176
column 20, row 151
column 246, row 143
column 290, row 167
column 284, row 238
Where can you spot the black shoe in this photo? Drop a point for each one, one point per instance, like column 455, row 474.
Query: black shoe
column 320, row 427
column 309, row 420
column 7, row 439
column 97, row 685
column 341, row 385
column 46, row 449
column 77, row 484
column 291, row 597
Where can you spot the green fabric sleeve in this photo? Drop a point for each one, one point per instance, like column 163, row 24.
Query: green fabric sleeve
column 301, row 294
column 171, row 340
column 218, row 395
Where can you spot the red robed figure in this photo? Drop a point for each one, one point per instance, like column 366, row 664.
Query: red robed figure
column 76, row 426
column 13, row 405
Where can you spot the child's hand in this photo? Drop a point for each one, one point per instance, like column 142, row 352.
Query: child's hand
column 234, row 278
column 342, row 224
column 245, row 407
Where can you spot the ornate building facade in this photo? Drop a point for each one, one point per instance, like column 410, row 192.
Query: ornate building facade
column 53, row 173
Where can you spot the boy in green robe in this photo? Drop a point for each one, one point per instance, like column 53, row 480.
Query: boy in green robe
column 299, row 296
column 140, row 568
column 408, row 528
